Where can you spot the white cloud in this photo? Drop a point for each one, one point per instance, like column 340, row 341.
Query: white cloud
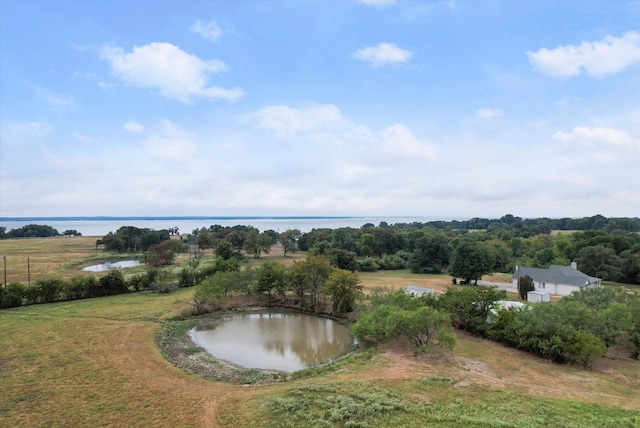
column 377, row 3
column 175, row 73
column 133, row 127
column 286, row 121
column 400, row 142
column 209, row 30
column 55, row 100
column 488, row 113
column 165, row 139
column 24, row 132
column 606, row 136
column 609, row 55
column 383, row 54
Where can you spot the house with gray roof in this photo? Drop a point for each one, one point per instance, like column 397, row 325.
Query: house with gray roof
column 557, row 280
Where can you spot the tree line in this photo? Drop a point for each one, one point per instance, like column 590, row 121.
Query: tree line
column 612, row 256
column 462, row 253
column 311, row 284
column 35, row 231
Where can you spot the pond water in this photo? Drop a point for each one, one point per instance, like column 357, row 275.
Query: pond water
column 112, row 265
column 286, row 341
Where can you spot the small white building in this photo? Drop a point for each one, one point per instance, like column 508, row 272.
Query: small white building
column 418, row 291
column 505, row 305
column 557, row 280
column 538, row 296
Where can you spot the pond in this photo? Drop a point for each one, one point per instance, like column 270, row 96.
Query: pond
column 111, row 265
column 286, row 341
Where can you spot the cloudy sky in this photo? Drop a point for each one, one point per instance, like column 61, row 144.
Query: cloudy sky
column 374, row 108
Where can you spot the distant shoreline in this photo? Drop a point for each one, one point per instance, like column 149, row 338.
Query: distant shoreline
column 112, row 218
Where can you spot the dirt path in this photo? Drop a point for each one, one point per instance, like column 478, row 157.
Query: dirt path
column 132, row 350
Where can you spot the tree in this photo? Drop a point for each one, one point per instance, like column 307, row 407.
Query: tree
column 33, row 231
column 583, row 347
column 204, row 240
column 289, row 240
column 343, row 259
column 420, row 326
column 310, row 276
column 423, row 325
column 256, row 243
column 224, row 249
column 469, row 306
column 159, row 255
column 430, row 254
column 271, row 277
column 469, row 261
column 525, row 284
column 344, row 288
column 600, row 261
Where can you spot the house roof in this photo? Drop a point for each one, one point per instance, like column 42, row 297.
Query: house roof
column 556, row 274
column 507, row 305
column 418, row 291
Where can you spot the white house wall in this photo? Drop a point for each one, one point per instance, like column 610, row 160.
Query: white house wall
column 565, row 290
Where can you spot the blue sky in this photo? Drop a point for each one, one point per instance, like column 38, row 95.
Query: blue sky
column 375, row 108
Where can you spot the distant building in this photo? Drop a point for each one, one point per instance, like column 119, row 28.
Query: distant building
column 538, row 296
column 506, row 305
column 557, row 280
column 418, row 291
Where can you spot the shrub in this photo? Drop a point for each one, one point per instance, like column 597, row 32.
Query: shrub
column 75, row 289
column 368, row 264
column 49, row 290
column 140, row 282
column 113, row 283
column 13, row 295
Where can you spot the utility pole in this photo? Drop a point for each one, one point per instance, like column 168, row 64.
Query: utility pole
column 29, row 271
column 4, row 258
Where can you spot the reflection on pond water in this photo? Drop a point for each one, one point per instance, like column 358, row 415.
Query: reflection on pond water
column 111, row 265
column 286, row 341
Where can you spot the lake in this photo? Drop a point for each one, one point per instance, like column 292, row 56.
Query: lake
column 111, row 265
column 286, row 341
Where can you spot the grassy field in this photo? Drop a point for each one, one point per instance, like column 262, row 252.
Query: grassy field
column 95, row 363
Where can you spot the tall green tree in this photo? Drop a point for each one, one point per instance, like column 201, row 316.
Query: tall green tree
column 224, row 249
column 271, row 278
column 525, row 284
column 289, row 240
column 430, row 254
column 309, row 276
column 256, row 243
column 469, row 261
column 344, row 288
column 600, row 261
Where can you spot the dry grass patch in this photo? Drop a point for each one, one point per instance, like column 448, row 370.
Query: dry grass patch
column 62, row 257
